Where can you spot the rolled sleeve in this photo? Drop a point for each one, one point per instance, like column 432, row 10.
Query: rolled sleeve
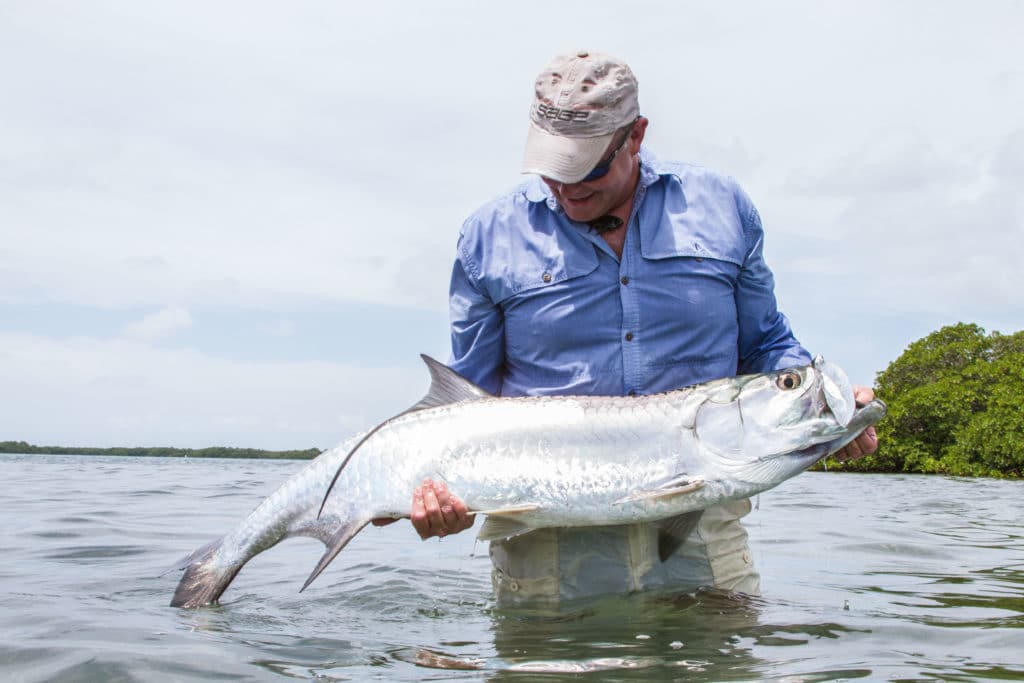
column 766, row 341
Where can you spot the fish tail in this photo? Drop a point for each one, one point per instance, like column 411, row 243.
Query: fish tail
column 204, row 580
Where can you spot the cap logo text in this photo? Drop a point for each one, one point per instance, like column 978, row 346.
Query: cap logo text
column 549, row 112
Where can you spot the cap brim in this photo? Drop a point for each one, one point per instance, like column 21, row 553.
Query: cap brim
column 561, row 158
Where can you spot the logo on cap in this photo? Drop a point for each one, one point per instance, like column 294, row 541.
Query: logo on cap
column 549, row 112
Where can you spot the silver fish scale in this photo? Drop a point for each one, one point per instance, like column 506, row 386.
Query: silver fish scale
column 572, row 457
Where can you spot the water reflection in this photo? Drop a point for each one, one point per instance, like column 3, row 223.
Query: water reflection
column 987, row 597
column 633, row 638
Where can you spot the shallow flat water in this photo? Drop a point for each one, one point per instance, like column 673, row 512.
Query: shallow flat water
column 875, row 577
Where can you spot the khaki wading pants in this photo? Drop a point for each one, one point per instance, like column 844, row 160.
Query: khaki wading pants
column 549, row 566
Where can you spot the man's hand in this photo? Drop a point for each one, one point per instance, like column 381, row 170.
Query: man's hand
column 866, row 442
column 438, row 512
column 435, row 511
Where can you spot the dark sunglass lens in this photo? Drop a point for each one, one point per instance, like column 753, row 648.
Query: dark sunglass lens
column 605, row 165
column 600, row 171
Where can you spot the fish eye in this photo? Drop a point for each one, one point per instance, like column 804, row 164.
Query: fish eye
column 788, row 380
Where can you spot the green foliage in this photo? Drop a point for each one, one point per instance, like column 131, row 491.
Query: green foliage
column 954, row 402
column 160, row 451
column 994, row 440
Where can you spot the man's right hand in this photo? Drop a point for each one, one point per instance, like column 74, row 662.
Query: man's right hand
column 438, row 512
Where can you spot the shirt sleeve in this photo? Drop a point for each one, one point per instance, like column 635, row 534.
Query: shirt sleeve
column 766, row 341
column 477, row 328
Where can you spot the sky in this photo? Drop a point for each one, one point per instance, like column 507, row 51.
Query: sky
column 233, row 223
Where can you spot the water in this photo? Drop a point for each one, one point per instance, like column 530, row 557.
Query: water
column 864, row 576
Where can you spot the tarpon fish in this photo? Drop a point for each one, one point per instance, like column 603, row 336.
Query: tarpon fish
column 553, row 461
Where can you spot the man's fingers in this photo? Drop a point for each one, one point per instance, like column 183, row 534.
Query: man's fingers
column 418, row 515
column 435, row 520
column 464, row 519
column 868, row 441
column 437, row 512
column 448, row 516
column 863, row 395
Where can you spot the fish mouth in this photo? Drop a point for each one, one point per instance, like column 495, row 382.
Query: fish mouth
column 779, row 467
column 863, row 417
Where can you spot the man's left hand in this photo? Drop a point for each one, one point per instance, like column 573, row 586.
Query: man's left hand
column 866, row 442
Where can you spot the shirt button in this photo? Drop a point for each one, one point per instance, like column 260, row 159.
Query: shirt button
column 629, row 336
column 625, row 280
column 547, row 277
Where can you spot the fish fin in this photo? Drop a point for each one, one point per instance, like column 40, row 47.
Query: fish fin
column 184, row 562
column 673, row 532
column 494, row 528
column 446, row 387
column 203, row 582
column 671, row 491
column 334, row 546
column 348, row 456
column 509, row 511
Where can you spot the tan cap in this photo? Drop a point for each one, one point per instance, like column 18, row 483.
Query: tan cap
column 580, row 101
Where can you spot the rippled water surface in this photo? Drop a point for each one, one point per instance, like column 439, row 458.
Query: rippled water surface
column 864, row 576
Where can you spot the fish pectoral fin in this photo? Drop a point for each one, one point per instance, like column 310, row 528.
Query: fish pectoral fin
column 508, row 511
column 334, row 546
column 677, row 488
column 672, row 532
column 495, row 528
column 504, row 522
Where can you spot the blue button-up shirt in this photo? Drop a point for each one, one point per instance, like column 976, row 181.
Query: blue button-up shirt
column 540, row 305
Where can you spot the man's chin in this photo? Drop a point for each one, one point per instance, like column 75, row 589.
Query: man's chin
column 581, row 215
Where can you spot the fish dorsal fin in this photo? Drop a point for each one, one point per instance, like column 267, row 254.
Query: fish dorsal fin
column 447, row 387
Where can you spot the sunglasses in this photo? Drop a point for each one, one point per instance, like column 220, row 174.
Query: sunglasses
column 605, row 165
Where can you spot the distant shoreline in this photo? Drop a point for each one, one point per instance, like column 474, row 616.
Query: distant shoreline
column 23, row 448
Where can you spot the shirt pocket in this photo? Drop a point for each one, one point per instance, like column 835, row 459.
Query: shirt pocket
column 691, row 311
column 528, row 274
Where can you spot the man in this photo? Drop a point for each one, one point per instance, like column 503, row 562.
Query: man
column 610, row 272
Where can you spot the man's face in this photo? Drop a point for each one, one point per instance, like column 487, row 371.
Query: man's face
column 589, row 199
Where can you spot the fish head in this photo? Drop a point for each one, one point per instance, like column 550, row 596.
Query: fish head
column 749, row 420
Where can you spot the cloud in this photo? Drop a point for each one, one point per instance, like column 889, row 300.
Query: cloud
column 952, row 241
column 159, row 325
column 890, row 161
column 286, row 183
column 90, row 392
